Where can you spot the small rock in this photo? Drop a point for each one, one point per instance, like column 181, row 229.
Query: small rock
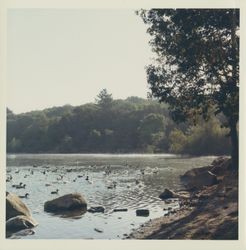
column 142, row 212
column 120, row 210
column 167, row 194
column 98, row 209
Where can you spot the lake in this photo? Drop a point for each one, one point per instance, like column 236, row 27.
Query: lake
column 139, row 179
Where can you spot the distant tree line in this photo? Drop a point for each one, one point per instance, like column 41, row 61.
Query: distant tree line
column 133, row 125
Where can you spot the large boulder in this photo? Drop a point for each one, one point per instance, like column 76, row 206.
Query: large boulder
column 20, row 222
column 221, row 165
column 219, row 160
column 66, row 202
column 195, row 172
column 205, row 178
column 15, row 206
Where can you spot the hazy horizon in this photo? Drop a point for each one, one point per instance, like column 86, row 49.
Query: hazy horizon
column 57, row 57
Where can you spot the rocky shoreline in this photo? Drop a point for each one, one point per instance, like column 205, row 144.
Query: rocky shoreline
column 209, row 212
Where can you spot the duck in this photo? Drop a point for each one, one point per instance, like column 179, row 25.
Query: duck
column 60, row 177
column 21, row 186
column 9, row 178
column 112, row 185
column 18, row 185
column 24, row 196
column 155, row 170
column 55, row 192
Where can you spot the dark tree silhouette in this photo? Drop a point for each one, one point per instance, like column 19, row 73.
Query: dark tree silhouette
column 104, row 99
column 197, row 64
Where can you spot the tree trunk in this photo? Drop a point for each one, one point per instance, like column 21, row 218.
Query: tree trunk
column 234, row 145
column 233, row 120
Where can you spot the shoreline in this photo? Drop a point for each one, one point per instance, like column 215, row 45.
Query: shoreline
column 211, row 212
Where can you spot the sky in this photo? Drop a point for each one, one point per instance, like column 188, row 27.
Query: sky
column 67, row 56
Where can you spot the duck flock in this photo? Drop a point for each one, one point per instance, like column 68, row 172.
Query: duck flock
column 60, row 174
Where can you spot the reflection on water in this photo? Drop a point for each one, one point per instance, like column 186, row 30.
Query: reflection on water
column 112, row 181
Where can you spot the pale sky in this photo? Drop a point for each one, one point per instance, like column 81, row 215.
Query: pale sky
column 57, row 57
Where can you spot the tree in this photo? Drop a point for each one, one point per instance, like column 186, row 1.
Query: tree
column 197, row 64
column 104, row 99
column 151, row 129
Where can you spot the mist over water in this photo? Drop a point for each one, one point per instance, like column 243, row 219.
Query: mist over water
column 133, row 189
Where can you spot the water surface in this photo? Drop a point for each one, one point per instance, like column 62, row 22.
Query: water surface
column 134, row 190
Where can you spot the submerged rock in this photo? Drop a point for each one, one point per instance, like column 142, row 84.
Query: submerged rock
column 15, row 206
column 65, row 203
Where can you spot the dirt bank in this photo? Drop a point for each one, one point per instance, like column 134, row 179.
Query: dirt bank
column 210, row 213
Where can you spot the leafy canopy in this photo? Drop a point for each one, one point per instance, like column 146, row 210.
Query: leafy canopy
column 197, row 62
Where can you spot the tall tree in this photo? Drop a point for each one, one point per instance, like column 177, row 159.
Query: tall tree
column 197, row 63
column 104, row 99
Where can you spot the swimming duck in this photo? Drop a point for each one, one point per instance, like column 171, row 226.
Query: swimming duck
column 21, row 186
column 24, row 196
column 55, row 192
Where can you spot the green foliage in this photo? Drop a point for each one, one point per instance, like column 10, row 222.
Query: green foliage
column 131, row 125
column 205, row 138
column 197, row 64
column 178, row 142
column 151, row 130
column 104, row 100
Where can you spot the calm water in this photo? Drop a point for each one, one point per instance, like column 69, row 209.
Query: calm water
column 160, row 172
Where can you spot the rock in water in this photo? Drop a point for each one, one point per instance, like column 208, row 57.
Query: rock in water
column 98, row 209
column 15, row 206
column 66, row 203
column 120, row 210
column 142, row 212
column 20, row 222
column 167, row 194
